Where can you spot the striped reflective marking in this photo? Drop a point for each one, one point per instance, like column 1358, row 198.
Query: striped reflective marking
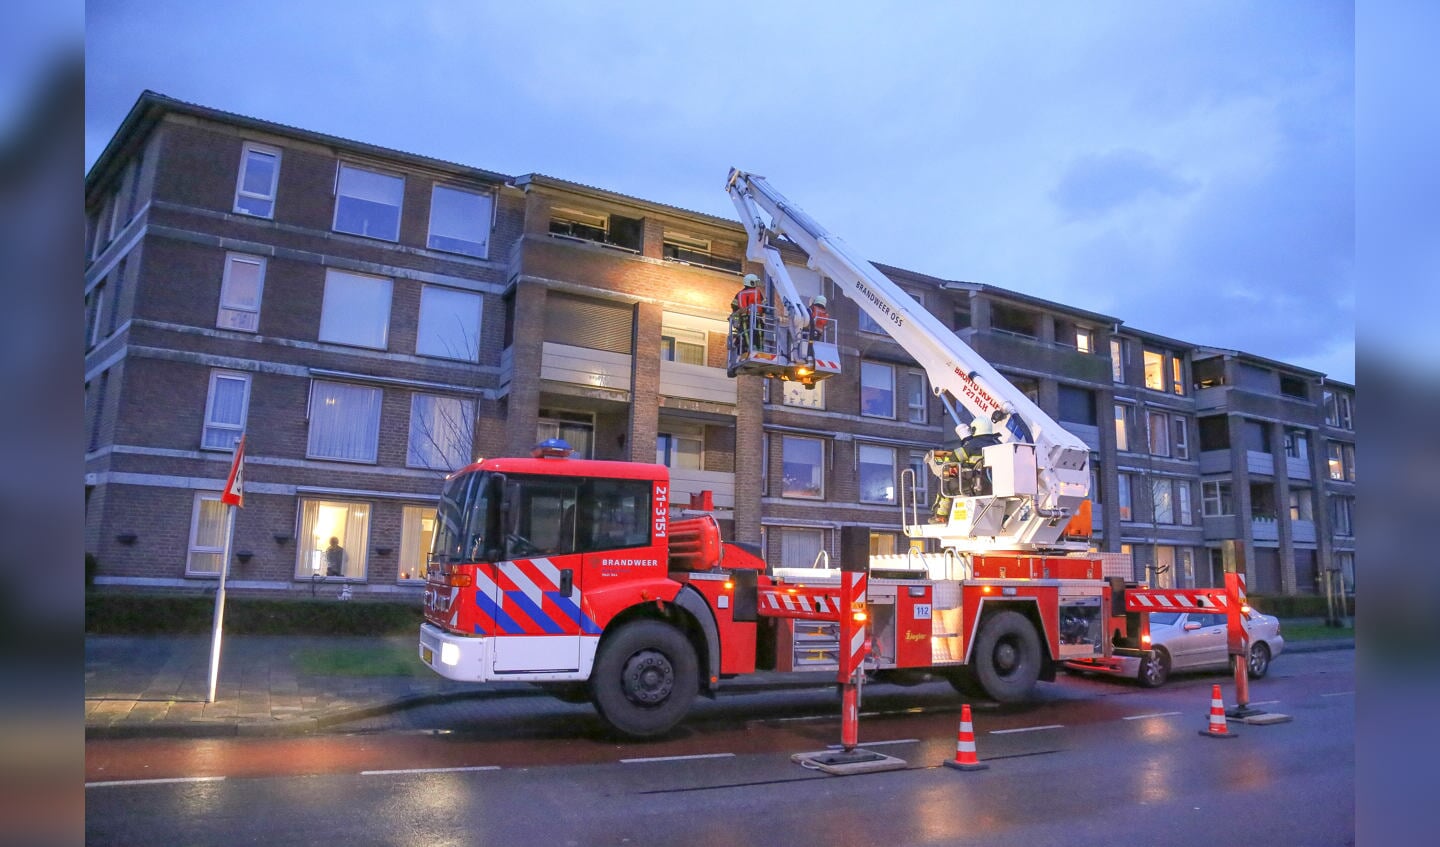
column 532, row 610
column 1027, row 729
column 117, row 782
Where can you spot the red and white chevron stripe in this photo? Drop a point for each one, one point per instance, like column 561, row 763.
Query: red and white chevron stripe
column 800, row 602
column 1174, row 600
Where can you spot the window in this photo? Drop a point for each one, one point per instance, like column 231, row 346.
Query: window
column 1297, row 444
column 797, row 394
column 368, row 203
column 1301, row 508
column 1119, row 358
column 225, row 410
column 344, row 421
column 1083, row 340
column 1180, row 444
column 576, row 428
column 679, row 451
column 591, row 226
column 1347, row 571
column 803, row 467
column 207, row 536
column 692, row 250
column 877, row 474
column 916, row 397
column 884, row 544
column 417, row 533
column 449, row 324
column 240, row 291
column 1126, row 504
column 686, row 346
column 1162, row 499
column 1182, row 503
column 334, row 540
column 1293, row 386
column 1342, row 515
column 800, row 548
column 921, row 472
column 877, row 390
column 1214, row 433
column 1154, row 370
column 1177, row 375
column 1209, row 373
column 1124, row 425
column 441, row 432
column 1216, row 499
column 356, row 310
column 95, row 319
column 868, row 324
column 116, row 215
column 1077, row 405
column 1158, row 428
column 459, row 221
column 1262, row 501
column 259, row 176
column 1341, row 461
column 1095, row 476
column 1337, row 410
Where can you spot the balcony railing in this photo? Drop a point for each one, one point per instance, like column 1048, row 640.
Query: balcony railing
column 696, row 382
column 584, row 366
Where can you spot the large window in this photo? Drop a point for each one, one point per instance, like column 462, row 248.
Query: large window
column 1182, row 503
column 1337, row 410
column 800, row 548
column 877, row 390
column 368, row 203
column 460, row 221
column 225, row 410
column 441, row 432
column 575, row 428
column 1124, row 425
column 686, row 346
column 240, row 291
column 449, row 324
column 797, row 394
column 417, row 533
column 804, row 467
column 877, row 474
column 1162, row 500
column 334, row 540
column 679, row 451
column 207, row 536
column 1077, row 405
column 916, row 397
column 356, row 310
column 1159, row 431
column 344, row 421
column 1340, row 460
column 1297, row 444
column 259, row 177
column 1127, row 510
column 1164, row 371
column 1342, row 515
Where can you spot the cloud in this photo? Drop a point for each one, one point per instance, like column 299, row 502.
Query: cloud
column 1099, row 183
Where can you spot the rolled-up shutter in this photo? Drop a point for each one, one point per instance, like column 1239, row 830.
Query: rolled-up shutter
column 582, row 322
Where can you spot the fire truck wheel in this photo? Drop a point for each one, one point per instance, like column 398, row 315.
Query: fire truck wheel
column 1007, row 657
column 645, row 678
column 1156, row 669
column 963, row 681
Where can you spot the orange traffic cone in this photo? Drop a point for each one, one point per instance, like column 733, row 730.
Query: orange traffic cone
column 965, row 759
column 1217, row 716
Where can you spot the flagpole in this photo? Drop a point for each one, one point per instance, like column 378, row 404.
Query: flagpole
column 220, row 603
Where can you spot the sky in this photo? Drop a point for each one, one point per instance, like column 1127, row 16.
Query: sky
column 1185, row 167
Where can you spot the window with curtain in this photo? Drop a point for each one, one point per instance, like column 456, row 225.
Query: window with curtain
column 449, row 324
column 804, row 467
column 800, row 547
column 225, row 410
column 682, row 345
column 877, row 474
column 460, row 221
column 441, row 432
column 417, row 533
column 344, row 421
column 334, row 539
column 207, row 535
column 877, row 390
column 240, row 291
column 368, row 203
column 356, row 310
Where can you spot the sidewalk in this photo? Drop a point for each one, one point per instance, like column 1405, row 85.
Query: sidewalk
column 154, row 686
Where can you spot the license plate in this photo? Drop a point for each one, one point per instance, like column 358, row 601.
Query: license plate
column 428, row 655
column 922, row 611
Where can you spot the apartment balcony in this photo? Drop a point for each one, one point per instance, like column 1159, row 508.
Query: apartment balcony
column 1215, row 461
column 1302, row 532
column 1000, row 347
column 1297, row 468
column 1221, row 527
column 1261, row 463
column 684, row 482
column 1088, row 434
column 696, row 382
column 585, row 367
column 1265, row 529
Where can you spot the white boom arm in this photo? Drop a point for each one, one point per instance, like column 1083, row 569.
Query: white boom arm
column 1036, row 510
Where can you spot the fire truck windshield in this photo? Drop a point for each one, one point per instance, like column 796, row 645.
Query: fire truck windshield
column 464, row 516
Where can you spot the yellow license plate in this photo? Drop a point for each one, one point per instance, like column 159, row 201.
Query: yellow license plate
column 428, row 655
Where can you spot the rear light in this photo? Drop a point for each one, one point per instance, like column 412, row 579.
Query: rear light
column 1144, row 639
column 461, row 580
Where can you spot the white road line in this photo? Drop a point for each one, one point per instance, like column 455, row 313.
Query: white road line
column 1338, row 694
column 797, row 718
column 1151, row 715
column 432, row 770
column 677, row 758
column 115, row 782
column 875, row 743
column 1263, row 703
column 1027, row 729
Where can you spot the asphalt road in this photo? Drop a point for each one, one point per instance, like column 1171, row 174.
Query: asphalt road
column 1092, row 762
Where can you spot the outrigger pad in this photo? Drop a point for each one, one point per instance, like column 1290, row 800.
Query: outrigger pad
column 844, row 763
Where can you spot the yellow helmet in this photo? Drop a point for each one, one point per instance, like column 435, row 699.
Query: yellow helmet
column 751, row 280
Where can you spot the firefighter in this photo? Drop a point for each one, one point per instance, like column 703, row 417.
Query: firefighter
column 745, row 329
column 946, row 467
column 815, row 327
column 974, row 477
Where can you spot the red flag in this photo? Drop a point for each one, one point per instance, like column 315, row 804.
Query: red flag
column 234, row 493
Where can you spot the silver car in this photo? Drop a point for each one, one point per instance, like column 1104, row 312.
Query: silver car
column 1186, row 641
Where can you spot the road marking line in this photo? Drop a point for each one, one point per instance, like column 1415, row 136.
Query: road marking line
column 1263, row 703
column 115, row 782
column 797, row 718
column 1338, row 694
column 875, row 743
column 1027, row 729
column 1151, row 715
column 432, row 770
column 677, row 758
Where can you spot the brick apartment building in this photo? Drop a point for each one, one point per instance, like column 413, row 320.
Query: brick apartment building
column 372, row 319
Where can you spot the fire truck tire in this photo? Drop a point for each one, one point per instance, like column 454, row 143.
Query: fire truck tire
column 1156, row 669
column 1006, row 660
column 645, row 678
column 964, row 682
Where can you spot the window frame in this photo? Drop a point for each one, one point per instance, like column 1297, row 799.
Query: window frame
column 1162, row 450
column 1220, row 493
column 1342, row 506
column 340, row 168
column 1179, row 436
column 484, row 252
column 192, row 548
column 800, row 390
column 785, row 491
column 1184, row 503
column 333, row 274
column 1146, row 353
column 207, row 424
column 671, row 440
column 1124, row 427
column 265, row 150
column 231, row 258
column 1125, row 496
column 860, row 449
column 676, row 338
column 923, row 409
column 872, row 366
column 471, row 354
column 310, row 417
column 1119, row 358
column 467, row 442
column 361, row 549
column 1157, row 484
column 409, row 528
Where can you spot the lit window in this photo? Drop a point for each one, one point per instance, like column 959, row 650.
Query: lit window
column 797, row 394
column 877, row 474
column 259, row 176
column 1126, row 504
column 417, row 533
column 225, row 410
column 240, row 291
column 344, row 421
column 877, row 390
column 1082, row 340
column 1124, row 425
column 686, row 346
column 356, row 310
column 1154, row 370
column 1300, row 505
column 678, row 451
column 441, row 432
column 1119, row 357
column 368, row 203
column 334, row 538
column 460, row 221
column 207, row 536
column 449, row 324
column 804, row 467
column 1177, row 375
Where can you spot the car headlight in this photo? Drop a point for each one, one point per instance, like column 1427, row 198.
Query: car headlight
column 450, row 654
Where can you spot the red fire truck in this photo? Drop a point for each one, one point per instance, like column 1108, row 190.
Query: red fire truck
column 579, row 576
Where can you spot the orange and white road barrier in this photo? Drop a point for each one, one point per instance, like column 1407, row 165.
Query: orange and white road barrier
column 1217, row 716
column 965, row 758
